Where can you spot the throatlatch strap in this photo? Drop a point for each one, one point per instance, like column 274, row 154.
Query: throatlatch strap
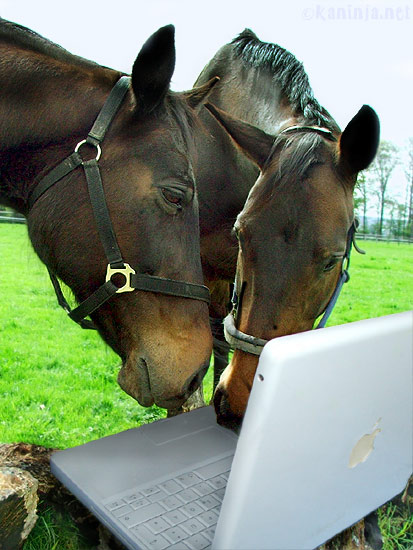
column 56, row 174
column 93, row 302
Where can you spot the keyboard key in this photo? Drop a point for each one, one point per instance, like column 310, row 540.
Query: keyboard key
column 197, row 542
column 209, row 518
column 208, row 502
column 188, row 479
column 209, row 533
column 192, row 509
column 192, row 526
column 122, row 511
column 157, row 525
column 170, row 486
column 155, row 497
column 215, row 468
column 142, row 514
column 114, row 504
column 175, row 534
column 144, row 536
column 220, row 494
column 178, row 546
column 187, row 495
column 139, row 503
column 171, row 502
column 175, row 517
column 132, row 497
column 217, row 482
column 150, row 491
column 202, row 488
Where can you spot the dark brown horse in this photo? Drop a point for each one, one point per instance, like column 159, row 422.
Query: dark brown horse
column 48, row 103
column 294, row 227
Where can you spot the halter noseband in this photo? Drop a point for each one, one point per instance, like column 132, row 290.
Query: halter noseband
column 116, row 264
column 253, row 345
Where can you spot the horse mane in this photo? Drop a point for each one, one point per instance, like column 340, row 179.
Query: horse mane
column 288, row 73
column 24, row 37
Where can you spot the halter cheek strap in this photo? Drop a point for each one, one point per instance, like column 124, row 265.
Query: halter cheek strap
column 116, row 264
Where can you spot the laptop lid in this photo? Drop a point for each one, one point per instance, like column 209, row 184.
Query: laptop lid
column 327, row 436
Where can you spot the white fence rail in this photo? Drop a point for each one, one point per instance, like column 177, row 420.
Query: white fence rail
column 383, row 238
column 12, row 218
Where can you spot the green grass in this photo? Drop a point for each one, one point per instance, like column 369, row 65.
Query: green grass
column 58, row 383
column 397, row 524
column 54, row 531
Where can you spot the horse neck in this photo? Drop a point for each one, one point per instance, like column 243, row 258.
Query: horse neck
column 223, row 188
column 45, row 102
column 252, row 94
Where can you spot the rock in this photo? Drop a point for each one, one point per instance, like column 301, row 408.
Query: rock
column 18, row 505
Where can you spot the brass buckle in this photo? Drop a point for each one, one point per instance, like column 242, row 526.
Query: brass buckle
column 126, row 271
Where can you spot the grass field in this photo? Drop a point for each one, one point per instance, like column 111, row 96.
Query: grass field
column 58, row 382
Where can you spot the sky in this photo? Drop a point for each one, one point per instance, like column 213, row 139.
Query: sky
column 354, row 52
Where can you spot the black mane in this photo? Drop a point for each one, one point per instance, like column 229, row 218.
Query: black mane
column 288, row 73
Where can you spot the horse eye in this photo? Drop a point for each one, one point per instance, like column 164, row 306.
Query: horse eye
column 173, row 196
column 331, row 264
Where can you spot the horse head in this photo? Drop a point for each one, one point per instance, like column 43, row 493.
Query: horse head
column 147, row 170
column 293, row 233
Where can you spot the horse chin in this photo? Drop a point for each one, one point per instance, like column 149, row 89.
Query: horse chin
column 134, row 380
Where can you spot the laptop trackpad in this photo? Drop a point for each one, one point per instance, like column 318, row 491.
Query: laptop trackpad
column 164, row 431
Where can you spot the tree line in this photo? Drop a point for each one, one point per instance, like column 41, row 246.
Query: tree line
column 394, row 218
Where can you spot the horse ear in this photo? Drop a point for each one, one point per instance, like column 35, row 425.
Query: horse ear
column 153, row 69
column 197, row 96
column 359, row 141
column 255, row 143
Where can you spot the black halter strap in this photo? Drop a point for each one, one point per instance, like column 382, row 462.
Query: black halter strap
column 116, row 264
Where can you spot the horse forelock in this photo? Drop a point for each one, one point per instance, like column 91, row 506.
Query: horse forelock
column 288, row 167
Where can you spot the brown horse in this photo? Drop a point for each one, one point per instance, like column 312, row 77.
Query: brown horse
column 144, row 193
column 296, row 223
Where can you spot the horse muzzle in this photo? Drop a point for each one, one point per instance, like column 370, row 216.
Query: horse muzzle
column 140, row 380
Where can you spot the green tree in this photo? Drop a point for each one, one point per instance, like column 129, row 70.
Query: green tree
column 361, row 199
column 409, row 176
column 381, row 170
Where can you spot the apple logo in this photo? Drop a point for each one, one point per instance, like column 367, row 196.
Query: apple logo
column 364, row 447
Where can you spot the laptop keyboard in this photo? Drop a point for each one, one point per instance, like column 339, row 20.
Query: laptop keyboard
column 179, row 513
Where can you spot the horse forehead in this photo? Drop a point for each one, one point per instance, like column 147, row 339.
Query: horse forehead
column 158, row 146
column 319, row 214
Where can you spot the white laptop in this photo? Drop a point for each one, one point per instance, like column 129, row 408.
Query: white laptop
column 326, row 439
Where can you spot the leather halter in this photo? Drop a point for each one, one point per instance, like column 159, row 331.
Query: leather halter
column 253, row 345
column 116, row 264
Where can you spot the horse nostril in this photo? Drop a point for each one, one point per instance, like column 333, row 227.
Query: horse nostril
column 225, row 416
column 196, row 380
